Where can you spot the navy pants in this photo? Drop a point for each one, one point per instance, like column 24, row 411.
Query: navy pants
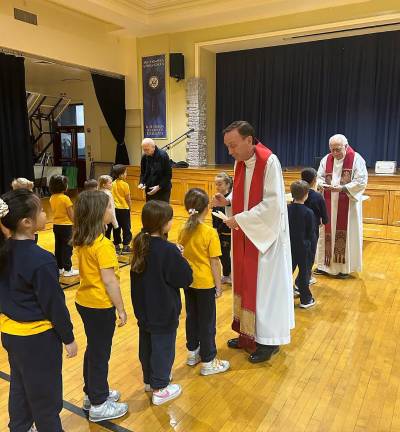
column 157, row 355
column 201, row 322
column 124, row 224
column 99, row 328
column 36, row 381
column 301, row 259
column 225, row 258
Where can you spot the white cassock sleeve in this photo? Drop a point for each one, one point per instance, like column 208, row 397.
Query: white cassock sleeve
column 359, row 179
column 261, row 224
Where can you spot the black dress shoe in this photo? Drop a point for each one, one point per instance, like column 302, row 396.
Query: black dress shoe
column 233, row 343
column 262, row 354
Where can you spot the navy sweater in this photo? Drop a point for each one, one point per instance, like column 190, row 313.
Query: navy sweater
column 301, row 226
column 29, row 288
column 316, row 203
column 155, row 293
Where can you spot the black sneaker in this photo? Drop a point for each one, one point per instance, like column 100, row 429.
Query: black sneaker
column 342, row 276
column 126, row 250
column 318, row 271
column 311, row 303
column 118, row 249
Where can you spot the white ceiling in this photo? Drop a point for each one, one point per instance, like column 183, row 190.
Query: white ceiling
column 40, row 73
column 147, row 17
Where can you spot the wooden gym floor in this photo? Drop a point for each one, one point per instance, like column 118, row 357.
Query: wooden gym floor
column 340, row 373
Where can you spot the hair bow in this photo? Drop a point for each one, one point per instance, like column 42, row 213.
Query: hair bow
column 4, row 210
column 192, row 211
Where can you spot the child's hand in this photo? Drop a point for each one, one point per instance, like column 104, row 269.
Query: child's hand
column 218, row 292
column 180, row 247
column 72, row 349
column 122, row 318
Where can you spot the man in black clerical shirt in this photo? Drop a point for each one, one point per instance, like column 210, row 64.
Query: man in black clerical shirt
column 155, row 172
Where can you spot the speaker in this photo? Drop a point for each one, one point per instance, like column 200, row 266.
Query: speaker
column 177, row 66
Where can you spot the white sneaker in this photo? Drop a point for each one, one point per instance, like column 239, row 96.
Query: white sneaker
column 71, row 273
column 296, row 292
column 107, row 411
column 214, row 366
column 313, row 281
column 61, row 271
column 113, row 395
column 33, row 429
column 311, row 303
column 166, row 394
column 193, row 357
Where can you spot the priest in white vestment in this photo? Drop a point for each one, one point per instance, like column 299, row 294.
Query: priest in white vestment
column 261, row 255
column 343, row 176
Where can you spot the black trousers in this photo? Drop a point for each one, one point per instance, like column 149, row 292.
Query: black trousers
column 314, row 244
column 109, row 230
column 201, row 322
column 36, row 381
column 63, row 250
column 157, row 355
column 225, row 258
column 124, row 223
column 301, row 259
column 161, row 195
column 99, row 328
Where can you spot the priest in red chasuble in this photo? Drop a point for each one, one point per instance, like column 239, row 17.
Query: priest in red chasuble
column 343, row 176
column 263, row 313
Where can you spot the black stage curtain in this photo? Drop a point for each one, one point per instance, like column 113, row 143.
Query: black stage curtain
column 110, row 94
column 297, row 96
column 16, row 158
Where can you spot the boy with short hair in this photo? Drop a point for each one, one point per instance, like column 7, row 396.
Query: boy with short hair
column 316, row 203
column 301, row 226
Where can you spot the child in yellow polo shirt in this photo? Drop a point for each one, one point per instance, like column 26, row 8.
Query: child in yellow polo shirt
column 122, row 200
column 97, row 299
column 202, row 249
column 63, row 215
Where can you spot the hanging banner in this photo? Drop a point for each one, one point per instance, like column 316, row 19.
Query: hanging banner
column 154, row 103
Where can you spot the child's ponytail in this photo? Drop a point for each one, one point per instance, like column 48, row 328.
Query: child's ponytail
column 141, row 247
column 196, row 201
column 15, row 206
column 155, row 215
column 3, row 239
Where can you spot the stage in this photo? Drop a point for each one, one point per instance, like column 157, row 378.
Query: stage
column 381, row 211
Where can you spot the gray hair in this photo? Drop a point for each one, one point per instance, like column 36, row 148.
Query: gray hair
column 338, row 138
column 148, row 141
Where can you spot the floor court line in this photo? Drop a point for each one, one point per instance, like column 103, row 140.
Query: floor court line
column 79, row 411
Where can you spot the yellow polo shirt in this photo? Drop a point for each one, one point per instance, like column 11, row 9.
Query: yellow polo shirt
column 19, row 328
column 120, row 190
column 101, row 254
column 59, row 203
column 200, row 246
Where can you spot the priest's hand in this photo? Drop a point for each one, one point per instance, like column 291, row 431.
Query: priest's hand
column 153, row 190
column 141, row 186
column 231, row 223
column 219, row 201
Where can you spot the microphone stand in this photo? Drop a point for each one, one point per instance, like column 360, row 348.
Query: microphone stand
column 177, row 140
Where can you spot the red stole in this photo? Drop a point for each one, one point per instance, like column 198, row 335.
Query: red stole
column 245, row 254
column 339, row 250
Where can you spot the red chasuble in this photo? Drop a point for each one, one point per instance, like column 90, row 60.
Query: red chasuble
column 245, row 254
column 339, row 250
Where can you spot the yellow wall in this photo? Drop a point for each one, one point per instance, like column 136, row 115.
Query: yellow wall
column 184, row 42
column 70, row 37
